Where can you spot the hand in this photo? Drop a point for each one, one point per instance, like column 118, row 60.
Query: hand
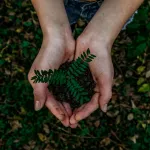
column 102, row 71
column 57, row 47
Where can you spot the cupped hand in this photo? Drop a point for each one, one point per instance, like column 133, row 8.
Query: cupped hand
column 102, row 71
column 58, row 47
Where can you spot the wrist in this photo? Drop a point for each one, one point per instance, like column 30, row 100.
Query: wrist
column 97, row 37
column 50, row 14
column 101, row 33
column 55, row 29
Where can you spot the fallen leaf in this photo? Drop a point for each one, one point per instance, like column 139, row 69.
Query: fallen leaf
column 97, row 123
column 148, row 74
column 46, row 128
column 112, row 114
column 32, row 144
column 120, row 148
column 48, row 147
column 114, row 98
column 26, row 147
column 140, row 81
column 118, row 119
column 143, row 125
column 18, row 30
column 144, row 88
column 81, row 23
column 105, row 141
column 140, row 69
column 134, row 138
column 133, row 104
column 42, row 137
column 130, row 117
column 15, row 124
column 23, row 111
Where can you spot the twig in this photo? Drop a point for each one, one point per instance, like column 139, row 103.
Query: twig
column 69, row 134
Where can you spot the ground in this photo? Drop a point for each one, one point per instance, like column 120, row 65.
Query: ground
column 125, row 126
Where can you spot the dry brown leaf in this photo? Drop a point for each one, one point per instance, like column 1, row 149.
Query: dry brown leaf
column 112, row 148
column 148, row 74
column 28, row 36
column 42, row 137
column 16, row 141
column 7, row 72
column 19, row 30
column 112, row 114
column 118, row 119
column 26, row 147
column 15, row 124
column 80, row 22
column 32, row 144
column 46, row 128
column 133, row 104
column 105, row 141
column 130, row 116
column 97, row 123
column 134, row 138
column 120, row 148
column 48, row 147
column 23, row 111
column 114, row 98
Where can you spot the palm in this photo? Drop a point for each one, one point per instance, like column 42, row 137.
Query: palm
column 102, row 71
column 51, row 55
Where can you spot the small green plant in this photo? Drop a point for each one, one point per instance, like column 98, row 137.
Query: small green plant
column 68, row 78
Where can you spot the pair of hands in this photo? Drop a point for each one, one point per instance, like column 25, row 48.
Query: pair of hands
column 58, row 47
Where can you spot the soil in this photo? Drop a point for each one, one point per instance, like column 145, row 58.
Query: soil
column 61, row 93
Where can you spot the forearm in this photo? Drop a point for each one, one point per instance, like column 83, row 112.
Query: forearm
column 50, row 12
column 111, row 17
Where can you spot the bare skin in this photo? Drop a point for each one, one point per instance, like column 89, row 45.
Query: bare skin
column 59, row 46
column 99, row 36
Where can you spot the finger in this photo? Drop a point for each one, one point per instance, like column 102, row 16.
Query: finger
column 74, row 126
column 89, row 108
column 105, row 88
column 39, row 92
column 86, row 110
column 54, row 107
column 68, row 108
column 72, row 119
column 65, row 121
column 71, row 58
column 69, row 111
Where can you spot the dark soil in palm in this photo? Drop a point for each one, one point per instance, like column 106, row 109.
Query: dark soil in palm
column 63, row 95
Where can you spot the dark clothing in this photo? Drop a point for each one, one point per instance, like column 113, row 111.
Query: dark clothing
column 81, row 9
column 85, row 9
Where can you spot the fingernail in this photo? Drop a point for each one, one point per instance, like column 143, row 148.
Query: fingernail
column 104, row 108
column 77, row 117
column 37, row 105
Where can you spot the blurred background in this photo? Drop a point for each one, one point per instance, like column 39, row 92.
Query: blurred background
column 126, row 125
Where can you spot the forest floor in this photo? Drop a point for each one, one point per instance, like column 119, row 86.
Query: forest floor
column 125, row 126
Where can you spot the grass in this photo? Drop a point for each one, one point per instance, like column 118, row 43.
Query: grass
column 125, row 126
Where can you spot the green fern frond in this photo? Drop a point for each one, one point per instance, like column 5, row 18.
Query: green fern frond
column 79, row 66
column 60, row 77
column 41, row 76
column 76, row 90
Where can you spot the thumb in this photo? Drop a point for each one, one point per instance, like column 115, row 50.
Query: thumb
column 39, row 96
column 39, row 91
column 105, row 88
